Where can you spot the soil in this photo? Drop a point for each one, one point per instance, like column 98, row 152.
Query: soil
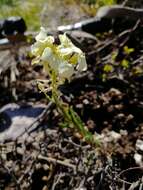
column 111, row 106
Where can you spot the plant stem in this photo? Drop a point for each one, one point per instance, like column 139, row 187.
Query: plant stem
column 68, row 113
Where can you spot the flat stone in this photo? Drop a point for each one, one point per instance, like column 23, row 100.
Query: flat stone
column 16, row 119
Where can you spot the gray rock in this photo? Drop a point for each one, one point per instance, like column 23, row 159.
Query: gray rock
column 16, row 119
column 139, row 144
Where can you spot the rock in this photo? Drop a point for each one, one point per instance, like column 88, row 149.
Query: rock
column 20, row 150
column 45, row 167
column 115, row 135
column 16, row 119
column 139, row 144
column 45, row 188
column 109, row 136
column 138, row 159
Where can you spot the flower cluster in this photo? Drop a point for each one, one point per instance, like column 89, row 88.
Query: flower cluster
column 63, row 59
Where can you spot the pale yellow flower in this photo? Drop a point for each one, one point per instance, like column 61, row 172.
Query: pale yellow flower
column 42, row 41
column 63, row 59
column 71, row 53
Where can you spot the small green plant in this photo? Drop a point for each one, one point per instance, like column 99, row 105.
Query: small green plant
column 60, row 62
column 126, row 63
column 108, row 68
column 127, row 50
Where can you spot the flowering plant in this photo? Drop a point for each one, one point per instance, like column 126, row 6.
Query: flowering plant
column 62, row 59
column 60, row 62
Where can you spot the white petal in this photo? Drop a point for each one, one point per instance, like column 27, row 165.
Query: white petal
column 65, row 41
column 66, row 70
column 76, row 49
column 54, row 64
column 42, row 35
column 43, row 38
column 47, row 55
column 35, row 48
column 65, row 51
column 82, row 65
column 49, row 40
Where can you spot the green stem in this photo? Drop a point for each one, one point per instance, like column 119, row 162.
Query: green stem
column 56, row 96
column 68, row 113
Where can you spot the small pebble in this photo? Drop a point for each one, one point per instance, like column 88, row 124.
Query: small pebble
column 85, row 101
column 115, row 135
column 139, row 144
column 40, row 136
column 138, row 158
column 45, row 167
column 36, row 145
column 20, row 150
column 44, row 178
column 45, row 188
column 38, row 166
